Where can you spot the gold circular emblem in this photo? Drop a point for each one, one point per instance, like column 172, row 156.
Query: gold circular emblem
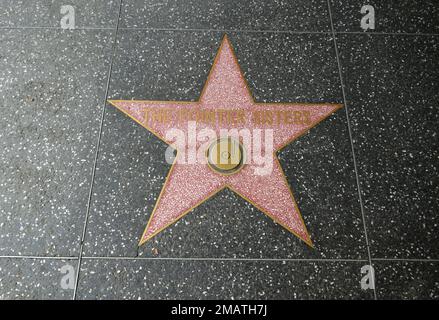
column 225, row 156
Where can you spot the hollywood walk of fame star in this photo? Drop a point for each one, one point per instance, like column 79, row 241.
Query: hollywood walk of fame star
column 189, row 185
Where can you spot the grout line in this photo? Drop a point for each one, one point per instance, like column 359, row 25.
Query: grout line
column 166, row 29
column 56, row 28
column 279, row 31
column 39, row 257
column 387, row 33
column 225, row 30
column 405, row 260
column 215, row 259
column 226, row 259
column 222, row 30
column 352, row 144
column 96, row 155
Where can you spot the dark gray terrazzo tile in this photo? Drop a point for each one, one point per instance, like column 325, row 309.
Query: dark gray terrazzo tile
column 173, row 279
column 393, row 97
column 33, row 279
column 162, row 65
column 289, row 67
column 319, row 168
column 167, row 65
column 299, row 15
column 129, row 175
column 52, row 90
column 407, row 279
column 390, row 16
column 42, row 13
column 131, row 167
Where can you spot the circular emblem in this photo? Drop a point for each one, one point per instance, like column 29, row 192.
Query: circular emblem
column 225, row 156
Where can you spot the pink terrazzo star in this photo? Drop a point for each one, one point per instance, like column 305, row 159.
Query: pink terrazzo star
column 189, row 185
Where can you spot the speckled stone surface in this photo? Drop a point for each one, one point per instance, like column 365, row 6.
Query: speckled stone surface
column 42, row 13
column 407, row 279
column 33, row 279
column 393, row 16
column 161, row 65
column 52, row 91
column 302, row 15
column 131, row 170
column 51, row 97
column 393, row 98
column 149, row 279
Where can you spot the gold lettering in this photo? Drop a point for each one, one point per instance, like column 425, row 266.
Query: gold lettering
column 240, row 117
column 256, row 117
column 307, row 115
column 297, row 117
column 288, row 118
column 146, row 117
column 268, row 117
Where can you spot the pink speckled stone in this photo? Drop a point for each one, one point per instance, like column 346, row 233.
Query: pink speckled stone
column 188, row 185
